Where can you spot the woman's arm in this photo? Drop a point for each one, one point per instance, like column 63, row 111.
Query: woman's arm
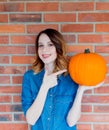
column 75, row 111
column 35, row 110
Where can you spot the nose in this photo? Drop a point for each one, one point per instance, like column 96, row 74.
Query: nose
column 46, row 48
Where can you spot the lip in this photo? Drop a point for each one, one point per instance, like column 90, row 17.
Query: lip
column 46, row 55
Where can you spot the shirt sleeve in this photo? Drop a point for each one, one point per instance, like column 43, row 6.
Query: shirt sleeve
column 26, row 95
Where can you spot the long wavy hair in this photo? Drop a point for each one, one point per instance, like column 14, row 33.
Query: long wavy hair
column 60, row 44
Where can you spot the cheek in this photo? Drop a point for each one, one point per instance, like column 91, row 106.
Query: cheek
column 55, row 56
column 39, row 53
column 55, row 53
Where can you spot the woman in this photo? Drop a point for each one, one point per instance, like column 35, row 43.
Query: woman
column 51, row 100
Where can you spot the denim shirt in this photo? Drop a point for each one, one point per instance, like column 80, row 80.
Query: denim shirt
column 58, row 102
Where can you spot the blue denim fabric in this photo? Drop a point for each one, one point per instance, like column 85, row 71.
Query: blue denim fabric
column 58, row 102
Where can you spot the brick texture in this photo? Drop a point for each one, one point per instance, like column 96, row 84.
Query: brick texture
column 84, row 24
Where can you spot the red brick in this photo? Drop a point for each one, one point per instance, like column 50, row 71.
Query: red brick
column 17, row 99
column 13, row 126
column 101, row 126
column 12, row 28
column 3, row 18
column 84, row 127
column 11, row 7
column 17, row 79
column 102, row 90
column 12, row 69
column 37, row 28
column 10, row 89
column 66, row 17
column 95, row 99
column 4, row 59
column 12, row 50
column 4, row 79
column 101, row 109
column 5, row 117
column 42, row 6
column 102, row 49
column 93, row 38
column 23, row 39
column 105, row 38
column 31, row 49
column 86, row 108
column 5, row 99
column 88, row 91
column 102, row 6
column 77, row 6
column 102, row 27
column 19, row 117
column 5, row 108
column 22, row 59
column 93, row 17
column 16, row 108
column 94, row 118
column 4, row 39
column 70, row 38
column 25, row 18
column 77, row 28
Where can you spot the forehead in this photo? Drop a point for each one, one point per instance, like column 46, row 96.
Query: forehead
column 44, row 38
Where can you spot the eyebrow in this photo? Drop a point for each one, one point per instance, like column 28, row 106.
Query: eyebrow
column 47, row 42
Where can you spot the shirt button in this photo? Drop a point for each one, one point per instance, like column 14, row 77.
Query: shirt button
column 50, row 106
column 48, row 119
column 51, row 95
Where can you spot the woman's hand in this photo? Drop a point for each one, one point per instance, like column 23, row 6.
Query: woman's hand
column 91, row 87
column 50, row 80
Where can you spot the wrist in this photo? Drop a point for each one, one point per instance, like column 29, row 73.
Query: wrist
column 44, row 87
column 81, row 89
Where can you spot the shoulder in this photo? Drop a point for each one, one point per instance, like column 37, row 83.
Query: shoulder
column 28, row 72
column 31, row 73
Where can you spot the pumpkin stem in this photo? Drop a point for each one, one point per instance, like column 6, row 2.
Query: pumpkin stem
column 87, row 50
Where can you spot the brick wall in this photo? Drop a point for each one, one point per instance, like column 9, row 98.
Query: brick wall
column 83, row 24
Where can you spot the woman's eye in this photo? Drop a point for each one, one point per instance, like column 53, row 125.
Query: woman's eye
column 51, row 44
column 40, row 45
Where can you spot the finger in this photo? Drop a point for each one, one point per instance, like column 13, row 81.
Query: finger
column 59, row 72
column 46, row 72
column 100, row 84
column 91, row 87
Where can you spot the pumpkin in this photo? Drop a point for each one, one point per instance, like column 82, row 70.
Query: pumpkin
column 87, row 68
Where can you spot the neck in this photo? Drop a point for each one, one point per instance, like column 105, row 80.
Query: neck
column 49, row 67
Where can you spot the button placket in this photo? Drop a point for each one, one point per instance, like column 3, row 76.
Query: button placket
column 50, row 110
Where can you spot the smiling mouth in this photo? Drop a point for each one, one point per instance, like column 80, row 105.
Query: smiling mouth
column 46, row 55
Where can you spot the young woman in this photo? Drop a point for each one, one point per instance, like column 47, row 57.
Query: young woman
column 51, row 100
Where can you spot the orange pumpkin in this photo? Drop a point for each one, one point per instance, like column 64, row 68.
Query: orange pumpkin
column 87, row 68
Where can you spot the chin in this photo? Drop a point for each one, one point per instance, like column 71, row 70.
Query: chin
column 48, row 62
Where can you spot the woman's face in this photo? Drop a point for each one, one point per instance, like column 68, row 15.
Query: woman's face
column 46, row 49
